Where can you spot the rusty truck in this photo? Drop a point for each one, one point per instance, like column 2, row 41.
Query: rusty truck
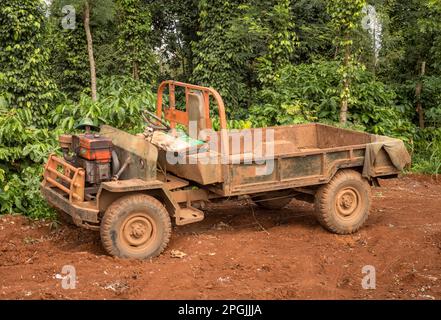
column 133, row 187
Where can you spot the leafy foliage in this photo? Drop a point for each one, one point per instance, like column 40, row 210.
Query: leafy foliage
column 23, row 149
column 70, row 68
column 20, row 193
column 134, row 25
column 427, row 158
column 242, row 45
column 120, row 102
column 24, row 81
column 412, row 37
column 314, row 31
column 20, row 141
column 345, row 16
column 175, row 25
column 311, row 92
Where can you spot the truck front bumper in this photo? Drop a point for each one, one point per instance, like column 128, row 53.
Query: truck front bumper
column 80, row 212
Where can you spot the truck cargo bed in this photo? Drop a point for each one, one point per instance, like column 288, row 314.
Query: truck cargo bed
column 293, row 156
column 310, row 154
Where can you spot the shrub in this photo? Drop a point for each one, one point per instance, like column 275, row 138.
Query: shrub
column 120, row 102
column 311, row 92
column 427, row 151
column 20, row 193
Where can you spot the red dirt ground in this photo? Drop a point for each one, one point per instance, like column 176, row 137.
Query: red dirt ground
column 271, row 255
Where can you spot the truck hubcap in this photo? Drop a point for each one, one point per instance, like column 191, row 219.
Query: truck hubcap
column 347, row 201
column 138, row 231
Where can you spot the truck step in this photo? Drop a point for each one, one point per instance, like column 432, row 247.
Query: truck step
column 172, row 182
column 189, row 215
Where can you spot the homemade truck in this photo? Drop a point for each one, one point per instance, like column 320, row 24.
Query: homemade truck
column 131, row 187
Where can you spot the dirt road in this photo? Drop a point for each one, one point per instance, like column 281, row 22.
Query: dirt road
column 235, row 255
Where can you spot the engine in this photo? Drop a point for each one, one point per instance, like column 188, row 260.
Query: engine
column 90, row 151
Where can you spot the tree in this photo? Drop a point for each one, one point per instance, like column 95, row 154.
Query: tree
column 134, row 32
column 221, row 56
column 315, row 36
column 175, row 26
column 68, row 60
column 242, row 44
column 24, row 74
column 92, row 12
column 86, row 17
column 345, row 18
column 278, row 35
column 410, row 49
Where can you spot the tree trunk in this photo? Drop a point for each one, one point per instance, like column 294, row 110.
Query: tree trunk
column 344, row 103
column 346, row 87
column 90, row 49
column 418, row 89
column 135, row 70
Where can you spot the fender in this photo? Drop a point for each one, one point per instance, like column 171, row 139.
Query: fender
column 113, row 190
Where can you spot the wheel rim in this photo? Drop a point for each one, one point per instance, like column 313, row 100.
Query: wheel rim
column 347, row 202
column 138, row 231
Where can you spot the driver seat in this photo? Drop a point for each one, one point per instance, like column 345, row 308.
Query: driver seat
column 197, row 124
column 197, row 119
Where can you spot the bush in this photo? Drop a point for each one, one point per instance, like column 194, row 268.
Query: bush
column 21, row 143
column 427, row 151
column 23, row 149
column 120, row 102
column 20, row 193
column 302, row 93
column 311, row 92
column 431, row 96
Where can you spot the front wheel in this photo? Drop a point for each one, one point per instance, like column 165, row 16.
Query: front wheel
column 342, row 205
column 136, row 226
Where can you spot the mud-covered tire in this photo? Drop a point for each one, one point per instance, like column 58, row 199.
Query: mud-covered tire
column 272, row 204
column 136, row 226
column 342, row 205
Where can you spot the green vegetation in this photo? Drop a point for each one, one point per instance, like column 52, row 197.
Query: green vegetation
column 375, row 69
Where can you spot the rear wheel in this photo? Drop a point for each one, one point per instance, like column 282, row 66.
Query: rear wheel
column 135, row 226
column 342, row 205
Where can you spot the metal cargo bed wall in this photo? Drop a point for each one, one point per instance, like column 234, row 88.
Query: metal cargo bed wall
column 305, row 155
column 287, row 139
column 290, row 171
column 294, row 138
column 330, row 137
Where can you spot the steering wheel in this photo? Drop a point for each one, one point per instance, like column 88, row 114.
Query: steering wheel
column 152, row 120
